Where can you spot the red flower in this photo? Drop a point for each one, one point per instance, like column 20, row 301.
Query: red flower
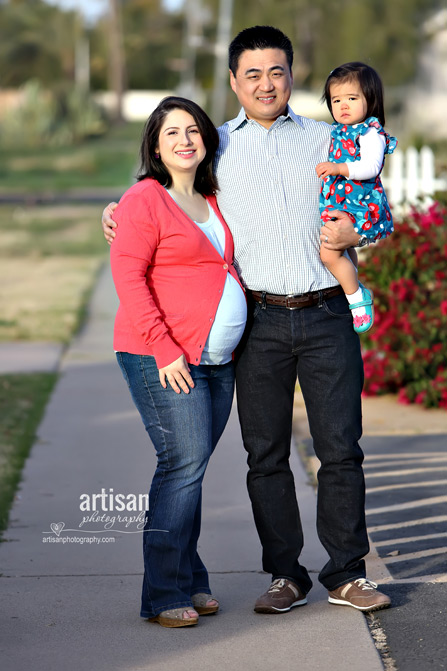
column 402, row 397
column 422, row 250
column 420, row 398
column 338, row 153
column 348, row 188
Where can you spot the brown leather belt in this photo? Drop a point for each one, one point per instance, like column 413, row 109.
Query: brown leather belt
column 292, row 302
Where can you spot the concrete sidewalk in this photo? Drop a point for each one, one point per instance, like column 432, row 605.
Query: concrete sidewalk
column 74, row 605
column 30, row 357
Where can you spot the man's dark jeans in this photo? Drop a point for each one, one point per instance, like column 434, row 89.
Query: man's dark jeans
column 318, row 344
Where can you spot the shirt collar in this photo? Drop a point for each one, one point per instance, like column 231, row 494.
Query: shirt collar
column 241, row 119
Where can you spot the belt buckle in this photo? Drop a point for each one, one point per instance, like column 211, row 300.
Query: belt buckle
column 297, row 307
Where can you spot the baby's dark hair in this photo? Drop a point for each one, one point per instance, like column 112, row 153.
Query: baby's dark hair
column 369, row 81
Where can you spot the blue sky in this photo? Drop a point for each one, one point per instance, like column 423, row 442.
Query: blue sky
column 92, row 9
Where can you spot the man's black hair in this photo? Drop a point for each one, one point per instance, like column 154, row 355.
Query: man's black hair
column 258, row 37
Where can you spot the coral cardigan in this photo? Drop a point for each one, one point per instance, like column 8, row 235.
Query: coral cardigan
column 168, row 276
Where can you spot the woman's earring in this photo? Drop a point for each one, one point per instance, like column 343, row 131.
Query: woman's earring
column 157, row 155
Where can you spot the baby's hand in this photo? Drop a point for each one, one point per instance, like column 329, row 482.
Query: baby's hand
column 327, row 168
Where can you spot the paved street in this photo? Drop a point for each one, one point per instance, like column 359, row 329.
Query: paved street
column 406, row 505
column 407, row 519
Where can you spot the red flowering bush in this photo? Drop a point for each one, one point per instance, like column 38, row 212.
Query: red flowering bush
column 406, row 350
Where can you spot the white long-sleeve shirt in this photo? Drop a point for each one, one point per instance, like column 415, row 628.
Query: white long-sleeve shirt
column 372, row 149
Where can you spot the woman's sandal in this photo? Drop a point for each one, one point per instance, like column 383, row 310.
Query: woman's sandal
column 200, row 602
column 174, row 618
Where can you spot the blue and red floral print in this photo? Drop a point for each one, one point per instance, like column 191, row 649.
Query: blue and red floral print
column 365, row 201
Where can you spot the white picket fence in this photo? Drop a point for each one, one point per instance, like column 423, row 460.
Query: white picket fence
column 409, row 177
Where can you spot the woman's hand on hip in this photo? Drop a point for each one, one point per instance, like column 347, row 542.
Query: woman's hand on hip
column 107, row 222
column 178, row 376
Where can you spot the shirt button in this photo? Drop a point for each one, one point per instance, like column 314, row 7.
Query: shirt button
column 225, row 266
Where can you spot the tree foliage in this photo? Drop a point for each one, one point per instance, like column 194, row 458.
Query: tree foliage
column 38, row 40
column 384, row 33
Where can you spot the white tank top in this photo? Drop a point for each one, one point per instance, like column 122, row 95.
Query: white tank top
column 231, row 315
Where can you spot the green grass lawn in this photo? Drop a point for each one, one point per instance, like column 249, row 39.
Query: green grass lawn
column 22, row 399
column 49, row 258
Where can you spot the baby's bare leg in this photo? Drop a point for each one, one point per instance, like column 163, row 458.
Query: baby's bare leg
column 344, row 269
column 341, row 268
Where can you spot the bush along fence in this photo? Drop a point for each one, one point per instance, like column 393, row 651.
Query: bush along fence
column 406, row 351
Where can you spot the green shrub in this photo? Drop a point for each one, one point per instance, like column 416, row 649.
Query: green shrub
column 53, row 118
column 29, row 125
column 406, row 351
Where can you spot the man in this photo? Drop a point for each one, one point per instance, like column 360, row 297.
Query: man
column 299, row 325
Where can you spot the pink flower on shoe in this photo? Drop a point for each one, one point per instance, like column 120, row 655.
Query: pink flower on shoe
column 359, row 320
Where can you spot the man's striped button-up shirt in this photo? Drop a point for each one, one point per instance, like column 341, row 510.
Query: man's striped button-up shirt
column 269, row 193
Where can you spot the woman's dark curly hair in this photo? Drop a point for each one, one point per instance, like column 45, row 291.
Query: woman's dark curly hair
column 205, row 181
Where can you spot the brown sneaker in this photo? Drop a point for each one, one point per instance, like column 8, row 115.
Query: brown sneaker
column 361, row 594
column 281, row 596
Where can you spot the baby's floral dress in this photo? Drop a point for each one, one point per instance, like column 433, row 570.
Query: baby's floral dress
column 364, row 201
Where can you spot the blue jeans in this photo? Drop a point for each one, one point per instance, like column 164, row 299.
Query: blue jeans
column 318, row 344
column 184, row 429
